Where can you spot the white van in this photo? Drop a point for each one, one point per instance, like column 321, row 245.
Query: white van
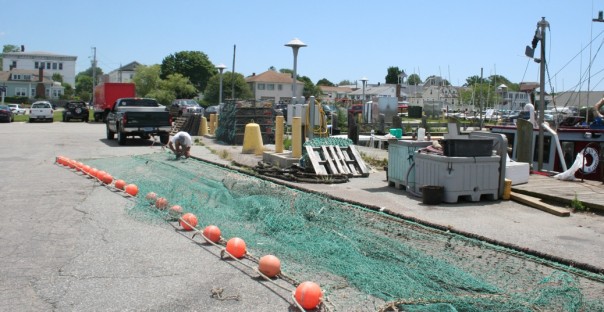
column 41, row 110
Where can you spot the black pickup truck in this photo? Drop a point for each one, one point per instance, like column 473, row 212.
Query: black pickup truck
column 141, row 117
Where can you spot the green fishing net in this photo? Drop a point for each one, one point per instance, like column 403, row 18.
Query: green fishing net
column 364, row 260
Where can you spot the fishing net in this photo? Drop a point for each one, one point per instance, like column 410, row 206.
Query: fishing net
column 363, row 259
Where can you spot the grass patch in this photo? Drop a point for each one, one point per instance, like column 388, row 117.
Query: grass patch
column 374, row 161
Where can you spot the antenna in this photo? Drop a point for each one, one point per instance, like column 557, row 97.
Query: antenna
column 93, row 71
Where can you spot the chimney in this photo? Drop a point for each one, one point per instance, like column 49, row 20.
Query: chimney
column 40, row 74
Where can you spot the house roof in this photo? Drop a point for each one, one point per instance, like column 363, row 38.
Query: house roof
column 327, row 89
column 271, row 76
column 37, row 53
column 128, row 67
column 578, row 99
column 381, row 89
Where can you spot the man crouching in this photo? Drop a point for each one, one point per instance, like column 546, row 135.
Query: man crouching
column 180, row 144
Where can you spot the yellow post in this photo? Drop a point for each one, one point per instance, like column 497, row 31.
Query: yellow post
column 252, row 139
column 216, row 122
column 279, row 134
column 297, row 137
column 203, row 127
column 507, row 189
column 212, row 123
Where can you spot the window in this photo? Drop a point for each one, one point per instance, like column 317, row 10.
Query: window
column 36, row 64
column 33, row 91
column 16, row 77
column 14, row 65
column 20, row 91
column 60, row 66
column 270, row 87
column 261, row 86
column 54, row 65
column 279, row 87
column 26, row 77
column 47, row 65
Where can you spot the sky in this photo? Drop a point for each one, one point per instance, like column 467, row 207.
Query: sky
column 346, row 40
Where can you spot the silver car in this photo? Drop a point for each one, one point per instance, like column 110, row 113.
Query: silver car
column 181, row 107
column 41, row 110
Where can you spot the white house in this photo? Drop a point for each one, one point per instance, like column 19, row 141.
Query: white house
column 124, row 73
column 273, row 86
column 51, row 63
column 30, row 84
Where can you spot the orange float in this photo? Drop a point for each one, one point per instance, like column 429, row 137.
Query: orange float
column 86, row 169
column 131, row 189
column 175, row 210
column 161, row 203
column 106, row 178
column 71, row 163
column 236, row 247
column 120, row 184
column 100, row 174
column 93, row 172
column 269, row 265
column 308, row 295
column 212, row 233
column 151, row 196
column 190, row 219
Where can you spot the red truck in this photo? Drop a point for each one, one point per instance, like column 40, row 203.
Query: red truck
column 105, row 95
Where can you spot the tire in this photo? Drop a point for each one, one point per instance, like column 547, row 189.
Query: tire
column 66, row 119
column 121, row 138
column 164, row 138
column 31, row 120
column 110, row 134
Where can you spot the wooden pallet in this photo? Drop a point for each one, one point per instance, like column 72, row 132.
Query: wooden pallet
column 177, row 125
column 331, row 159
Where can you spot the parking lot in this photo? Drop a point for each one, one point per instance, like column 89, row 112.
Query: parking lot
column 66, row 243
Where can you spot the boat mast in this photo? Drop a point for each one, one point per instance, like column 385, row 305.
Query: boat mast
column 542, row 25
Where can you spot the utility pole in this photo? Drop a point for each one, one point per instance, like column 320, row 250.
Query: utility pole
column 93, row 72
column 542, row 25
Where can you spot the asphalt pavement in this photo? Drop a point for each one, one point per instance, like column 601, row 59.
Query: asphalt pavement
column 67, row 244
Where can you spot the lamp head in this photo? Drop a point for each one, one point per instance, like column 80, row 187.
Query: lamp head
column 295, row 43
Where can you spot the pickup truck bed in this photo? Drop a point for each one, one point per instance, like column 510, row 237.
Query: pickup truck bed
column 128, row 120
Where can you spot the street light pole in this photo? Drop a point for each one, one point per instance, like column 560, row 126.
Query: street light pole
column 220, row 68
column 295, row 44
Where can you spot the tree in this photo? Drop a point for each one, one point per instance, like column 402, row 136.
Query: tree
column 242, row 89
column 179, row 85
column 414, row 80
column 345, row 82
column 194, row 65
column 392, row 76
column 146, row 79
column 325, row 82
column 83, row 88
column 286, row 71
column 309, row 87
column 57, row 77
column 472, row 80
column 68, row 92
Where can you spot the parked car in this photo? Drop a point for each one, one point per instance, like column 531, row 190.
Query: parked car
column 211, row 110
column 76, row 110
column 41, row 110
column 17, row 110
column 6, row 114
column 182, row 107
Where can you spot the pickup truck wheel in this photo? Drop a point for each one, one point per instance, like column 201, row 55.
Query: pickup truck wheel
column 164, row 138
column 110, row 134
column 121, row 138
